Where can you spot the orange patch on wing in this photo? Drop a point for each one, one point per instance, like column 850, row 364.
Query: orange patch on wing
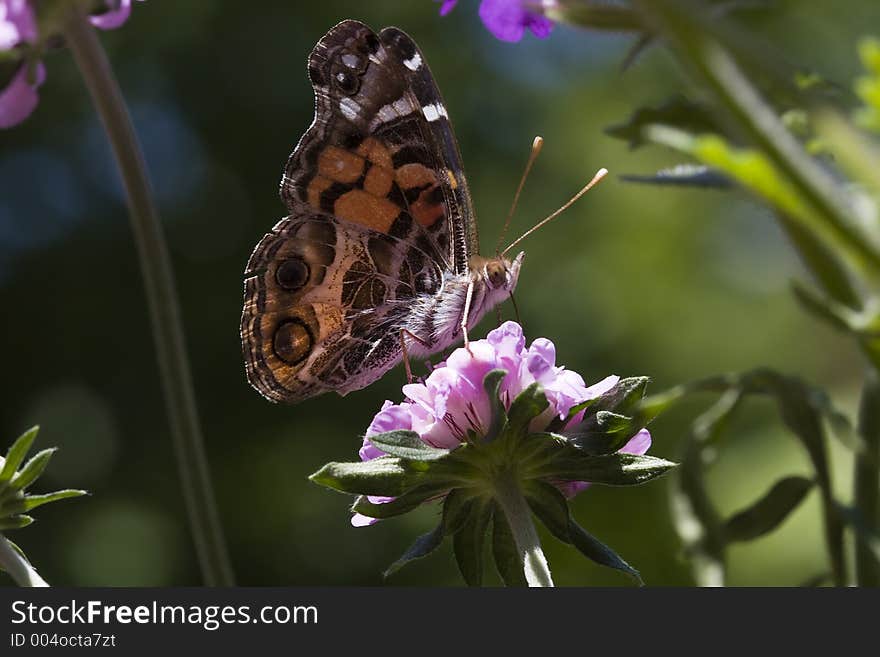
column 378, row 181
column 414, row 175
column 365, row 209
column 318, row 186
column 376, row 152
column 426, row 212
column 340, row 165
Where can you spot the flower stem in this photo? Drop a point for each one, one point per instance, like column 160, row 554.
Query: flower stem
column 162, row 299
column 519, row 517
column 18, row 567
column 867, row 480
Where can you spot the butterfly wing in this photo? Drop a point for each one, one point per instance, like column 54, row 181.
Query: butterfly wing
column 379, row 210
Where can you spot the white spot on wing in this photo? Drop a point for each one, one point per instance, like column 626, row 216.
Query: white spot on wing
column 414, row 63
column 349, row 108
column 434, row 111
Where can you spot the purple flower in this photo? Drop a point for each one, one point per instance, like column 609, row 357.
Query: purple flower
column 507, row 20
column 116, row 14
column 17, row 24
column 19, row 98
column 451, row 402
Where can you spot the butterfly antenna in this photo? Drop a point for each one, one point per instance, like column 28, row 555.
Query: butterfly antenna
column 537, row 144
column 601, row 173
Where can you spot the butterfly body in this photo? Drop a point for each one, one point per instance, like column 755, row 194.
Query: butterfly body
column 379, row 250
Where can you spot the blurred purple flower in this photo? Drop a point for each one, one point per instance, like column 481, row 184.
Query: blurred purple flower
column 507, row 20
column 453, row 401
column 116, row 14
column 17, row 24
column 19, row 98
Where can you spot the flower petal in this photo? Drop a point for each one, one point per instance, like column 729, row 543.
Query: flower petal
column 17, row 23
column 638, row 444
column 360, row 520
column 505, row 19
column 447, row 6
column 117, row 13
column 20, row 98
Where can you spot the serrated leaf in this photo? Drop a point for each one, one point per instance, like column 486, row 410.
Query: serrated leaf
column 470, row 540
column 528, row 405
column 611, row 469
column 492, row 384
column 15, row 455
column 386, row 475
column 407, row 445
column 31, row 470
column 507, row 558
column 421, row 547
column 769, row 512
column 14, row 522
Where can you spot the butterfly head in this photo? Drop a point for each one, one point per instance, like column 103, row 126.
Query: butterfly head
column 498, row 274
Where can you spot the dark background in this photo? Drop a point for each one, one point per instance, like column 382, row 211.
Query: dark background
column 673, row 284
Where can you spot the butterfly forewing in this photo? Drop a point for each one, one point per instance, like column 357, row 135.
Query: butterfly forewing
column 379, row 211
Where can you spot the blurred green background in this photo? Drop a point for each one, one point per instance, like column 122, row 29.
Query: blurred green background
column 635, row 280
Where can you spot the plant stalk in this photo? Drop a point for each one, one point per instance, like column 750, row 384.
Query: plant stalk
column 866, row 481
column 18, row 567
column 163, row 305
column 519, row 517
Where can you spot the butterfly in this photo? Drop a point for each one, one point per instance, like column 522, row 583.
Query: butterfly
column 378, row 257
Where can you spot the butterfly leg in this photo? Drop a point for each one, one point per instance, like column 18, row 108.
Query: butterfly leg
column 466, row 314
column 403, row 335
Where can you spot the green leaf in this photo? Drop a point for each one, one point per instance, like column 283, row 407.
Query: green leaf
column 508, row 560
column 611, row 469
column 406, row 445
column 678, row 111
column 16, row 454
column 30, row 502
column 528, row 405
column 382, row 476
column 399, row 505
column 422, row 546
column 769, row 512
column 624, row 397
column 32, row 470
column 683, row 175
column 469, row 542
column 492, row 384
column 14, row 522
column 456, row 508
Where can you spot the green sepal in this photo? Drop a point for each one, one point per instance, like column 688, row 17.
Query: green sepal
column 508, row 560
column 421, row 547
column 385, row 475
column 31, row 470
column 528, row 405
column 492, row 384
column 14, row 522
column 551, row 508
column 769, row 512
column 469, row 541
column 15, row 455
column 406, row 445
column 609, row 469
column 399, row 505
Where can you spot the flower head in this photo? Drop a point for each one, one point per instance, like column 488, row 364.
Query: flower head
column 115, row 14
column 452, row 406
column 498, row 432
column 508, row 20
